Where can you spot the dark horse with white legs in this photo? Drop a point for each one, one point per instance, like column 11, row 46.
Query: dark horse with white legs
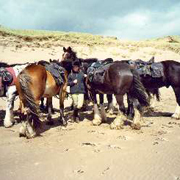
column 118, row 79
column 144, row 69
column 69, row 56
column 33, row 83
column 169, row 75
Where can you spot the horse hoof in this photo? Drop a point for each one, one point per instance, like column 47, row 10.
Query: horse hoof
column 110, row 112
column 64, row 123
column 136, row 126
column 8, row 124
column 50, row 123
column 22, row 135
column 30, row 136
column 77, row 120
column 96, row 122
column 117, row 127
column 175, row 116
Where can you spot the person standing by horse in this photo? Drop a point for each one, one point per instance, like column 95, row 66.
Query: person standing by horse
column 77, row 88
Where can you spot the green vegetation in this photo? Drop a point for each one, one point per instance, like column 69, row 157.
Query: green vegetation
column 47, row 39
column 39, row 35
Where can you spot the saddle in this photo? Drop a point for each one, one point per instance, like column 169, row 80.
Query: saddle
column 154, row 70
column 56, row 71
column 157, row 70
column 97, row 70
column 7, row 78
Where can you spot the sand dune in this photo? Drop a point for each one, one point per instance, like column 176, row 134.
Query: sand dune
column 82, row 151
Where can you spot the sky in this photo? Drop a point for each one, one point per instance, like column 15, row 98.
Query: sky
column 125, row 19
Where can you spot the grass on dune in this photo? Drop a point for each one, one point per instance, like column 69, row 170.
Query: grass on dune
column 42, row 38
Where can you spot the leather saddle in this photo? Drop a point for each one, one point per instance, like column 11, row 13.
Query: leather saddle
column 97, row 70
column 154, row 70
column 56, row 71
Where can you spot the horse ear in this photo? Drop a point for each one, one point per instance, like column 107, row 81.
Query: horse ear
column 69, row 49
column 151, row 60
column 64, row 49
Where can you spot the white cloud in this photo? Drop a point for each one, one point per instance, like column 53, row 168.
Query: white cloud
column 133, row 20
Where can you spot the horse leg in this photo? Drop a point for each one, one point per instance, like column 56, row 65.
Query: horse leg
column 30, row 129
column 49, row 106
column 110, row 108
column 176, row 115
column 23, row 129
column 103, row 112
column 9, row 117
column 85, row 103
column 120, row 118
column 62, row 96
column 27, row 129
column 97, row 117
column 137, row 115
column 42, row 107
column 130, row 110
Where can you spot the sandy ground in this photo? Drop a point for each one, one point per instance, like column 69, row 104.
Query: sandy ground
column 82, row 151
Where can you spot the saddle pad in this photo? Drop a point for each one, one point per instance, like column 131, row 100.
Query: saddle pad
column 12, row 72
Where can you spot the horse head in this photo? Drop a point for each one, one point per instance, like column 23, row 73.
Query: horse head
column 68, row 54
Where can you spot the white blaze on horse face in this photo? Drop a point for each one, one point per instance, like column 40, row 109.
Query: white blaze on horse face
column 9, row 117
column 176, row 115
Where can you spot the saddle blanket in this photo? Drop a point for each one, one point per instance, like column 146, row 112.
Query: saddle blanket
column 7, row 76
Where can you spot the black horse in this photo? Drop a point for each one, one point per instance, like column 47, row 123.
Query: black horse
column 163, row 74
column 118, row 79
column 69, row 56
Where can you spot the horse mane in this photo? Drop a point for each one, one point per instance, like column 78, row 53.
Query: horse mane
column 43, row 62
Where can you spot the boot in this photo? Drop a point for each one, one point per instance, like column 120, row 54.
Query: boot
column 77, row 116
column 74, row 115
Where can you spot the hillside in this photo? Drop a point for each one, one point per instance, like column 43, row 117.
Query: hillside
column 88, row 45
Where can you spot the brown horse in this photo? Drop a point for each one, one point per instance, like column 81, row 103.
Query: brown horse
column 33, row 83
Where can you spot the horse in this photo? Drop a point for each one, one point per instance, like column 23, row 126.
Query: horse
column 168, row 75
column 118, row 79
column 153, row 93
column 70, row 56
column 33, row 83
column 67, row 65
column 8, row 75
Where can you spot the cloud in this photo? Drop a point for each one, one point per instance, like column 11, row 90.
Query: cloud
column 124, row 19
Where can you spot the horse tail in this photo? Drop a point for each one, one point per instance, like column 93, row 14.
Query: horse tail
column 138, row 91
column 29, row 101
